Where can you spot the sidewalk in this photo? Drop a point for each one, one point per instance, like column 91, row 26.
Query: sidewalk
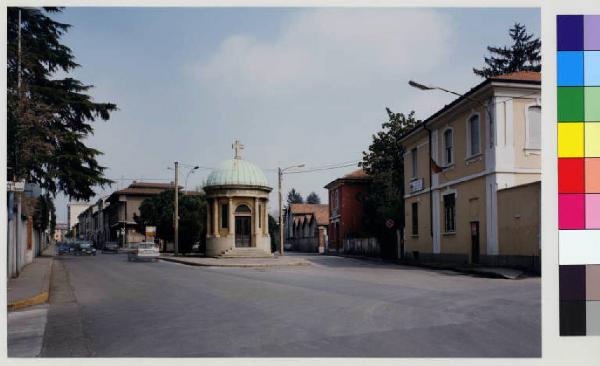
column 490, row 272
column 33, row 284
column 237, row 262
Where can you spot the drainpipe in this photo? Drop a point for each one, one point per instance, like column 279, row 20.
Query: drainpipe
column 430, row 181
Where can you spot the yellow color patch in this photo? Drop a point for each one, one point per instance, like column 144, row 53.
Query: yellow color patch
column 592, row 139
column 570, row 140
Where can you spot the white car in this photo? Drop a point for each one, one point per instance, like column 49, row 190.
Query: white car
column 144, row 251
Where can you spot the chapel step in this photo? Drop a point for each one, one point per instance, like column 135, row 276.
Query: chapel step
column 245, row 253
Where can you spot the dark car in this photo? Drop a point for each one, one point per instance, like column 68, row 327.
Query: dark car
column 63, row 248
column 85, row 248
column 110, row 247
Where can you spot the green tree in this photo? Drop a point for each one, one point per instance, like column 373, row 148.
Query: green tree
column 384, row 163
column 294, row 197
column 522, row 55
column 44, row 214
column 313, row 198
column 158, row 211
column 48, row 116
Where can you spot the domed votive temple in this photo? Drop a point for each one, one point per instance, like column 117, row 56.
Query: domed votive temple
column 237, row 222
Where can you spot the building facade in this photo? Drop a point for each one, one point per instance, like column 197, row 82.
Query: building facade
column 91, row 223
column 120, row 208
column 346, row 208
column 306, row 227
column 459, row 161
column 74, row 209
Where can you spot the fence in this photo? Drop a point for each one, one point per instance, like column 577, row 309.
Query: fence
column 362, row 246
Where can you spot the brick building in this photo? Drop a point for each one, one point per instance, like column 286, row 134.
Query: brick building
column 345, row 207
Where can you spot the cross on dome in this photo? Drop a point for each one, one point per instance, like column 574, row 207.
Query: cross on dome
column 237, row 147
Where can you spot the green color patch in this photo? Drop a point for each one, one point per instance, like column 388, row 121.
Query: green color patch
column 570, row 104
column 592, row 104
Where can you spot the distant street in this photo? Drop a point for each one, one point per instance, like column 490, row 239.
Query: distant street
column 338, row 307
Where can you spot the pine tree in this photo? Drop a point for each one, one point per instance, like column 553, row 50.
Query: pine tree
column 313, row 198
column 294, row 197
column 49, row 117
column 523, row 55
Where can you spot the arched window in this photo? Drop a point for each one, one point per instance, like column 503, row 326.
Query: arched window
column 448, row 147
column 473, row 128
column 534, row 128
column 242, row 209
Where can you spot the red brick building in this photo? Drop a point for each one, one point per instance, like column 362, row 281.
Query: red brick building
column 345, row 207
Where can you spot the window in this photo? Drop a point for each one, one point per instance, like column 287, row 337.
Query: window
column 448, row 145
column 413, row 158
column 242, row 209
column 473, row 131
column 224, row 215
column 415, row 218
column 534, row 128
column 450, row 213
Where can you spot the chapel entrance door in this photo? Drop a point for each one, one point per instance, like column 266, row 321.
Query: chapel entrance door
column 242, row 231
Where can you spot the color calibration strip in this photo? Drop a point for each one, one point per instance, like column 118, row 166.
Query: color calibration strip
column 578, row 69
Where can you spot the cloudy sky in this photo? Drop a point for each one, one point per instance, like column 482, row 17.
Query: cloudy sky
column 295, row 85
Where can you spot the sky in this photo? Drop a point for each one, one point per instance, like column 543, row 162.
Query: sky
column 294, row 85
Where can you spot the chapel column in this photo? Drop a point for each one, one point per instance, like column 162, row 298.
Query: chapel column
column 265, row 219
column 215, row 218
column 208, row 216
column 256, row 216
column 231, row 218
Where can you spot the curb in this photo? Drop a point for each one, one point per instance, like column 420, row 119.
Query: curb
column 233, row 265
column 38, row 299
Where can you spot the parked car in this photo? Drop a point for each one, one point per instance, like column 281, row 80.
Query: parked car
column 143, row 251
column 64, row 248
column 85, row 248
column 110, row 247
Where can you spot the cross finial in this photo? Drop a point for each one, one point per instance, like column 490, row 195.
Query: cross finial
column 237, row 147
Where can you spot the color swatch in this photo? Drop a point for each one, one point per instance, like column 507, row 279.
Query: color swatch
column 578, row 81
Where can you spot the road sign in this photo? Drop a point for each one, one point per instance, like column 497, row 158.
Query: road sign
column 389, row 223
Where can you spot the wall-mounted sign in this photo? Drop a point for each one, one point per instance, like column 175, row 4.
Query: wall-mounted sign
column 416, row 185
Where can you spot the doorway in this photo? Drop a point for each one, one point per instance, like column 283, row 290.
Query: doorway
column 475, row 242
column 242, row 231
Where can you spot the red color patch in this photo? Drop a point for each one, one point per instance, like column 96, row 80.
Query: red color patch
column 571, row 176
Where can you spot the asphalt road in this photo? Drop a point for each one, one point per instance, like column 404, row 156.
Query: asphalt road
column 338, row 307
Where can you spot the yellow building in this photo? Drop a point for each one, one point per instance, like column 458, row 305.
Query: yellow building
column 460, row 162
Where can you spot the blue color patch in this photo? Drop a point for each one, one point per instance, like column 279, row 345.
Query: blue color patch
column 570, row 68
column 592, row 68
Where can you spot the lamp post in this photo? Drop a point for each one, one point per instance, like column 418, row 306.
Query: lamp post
column 188, row 175
column 280, row 173
column 176, row 213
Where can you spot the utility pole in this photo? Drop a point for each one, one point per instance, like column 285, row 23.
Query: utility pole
column 281, row 225
column 280, row 173
column 176, row 214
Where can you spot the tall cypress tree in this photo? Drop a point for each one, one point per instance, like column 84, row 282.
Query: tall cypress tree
column 522, row 55
column 49, row 117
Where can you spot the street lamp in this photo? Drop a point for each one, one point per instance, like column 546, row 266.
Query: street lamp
column 188, row 175
column 280, row 172
column 420, row 86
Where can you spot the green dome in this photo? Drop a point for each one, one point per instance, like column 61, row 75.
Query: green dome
column 237, row 172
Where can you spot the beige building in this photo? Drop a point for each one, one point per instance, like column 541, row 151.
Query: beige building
column 121, row 207
column 237, row 192
column 460, row 162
